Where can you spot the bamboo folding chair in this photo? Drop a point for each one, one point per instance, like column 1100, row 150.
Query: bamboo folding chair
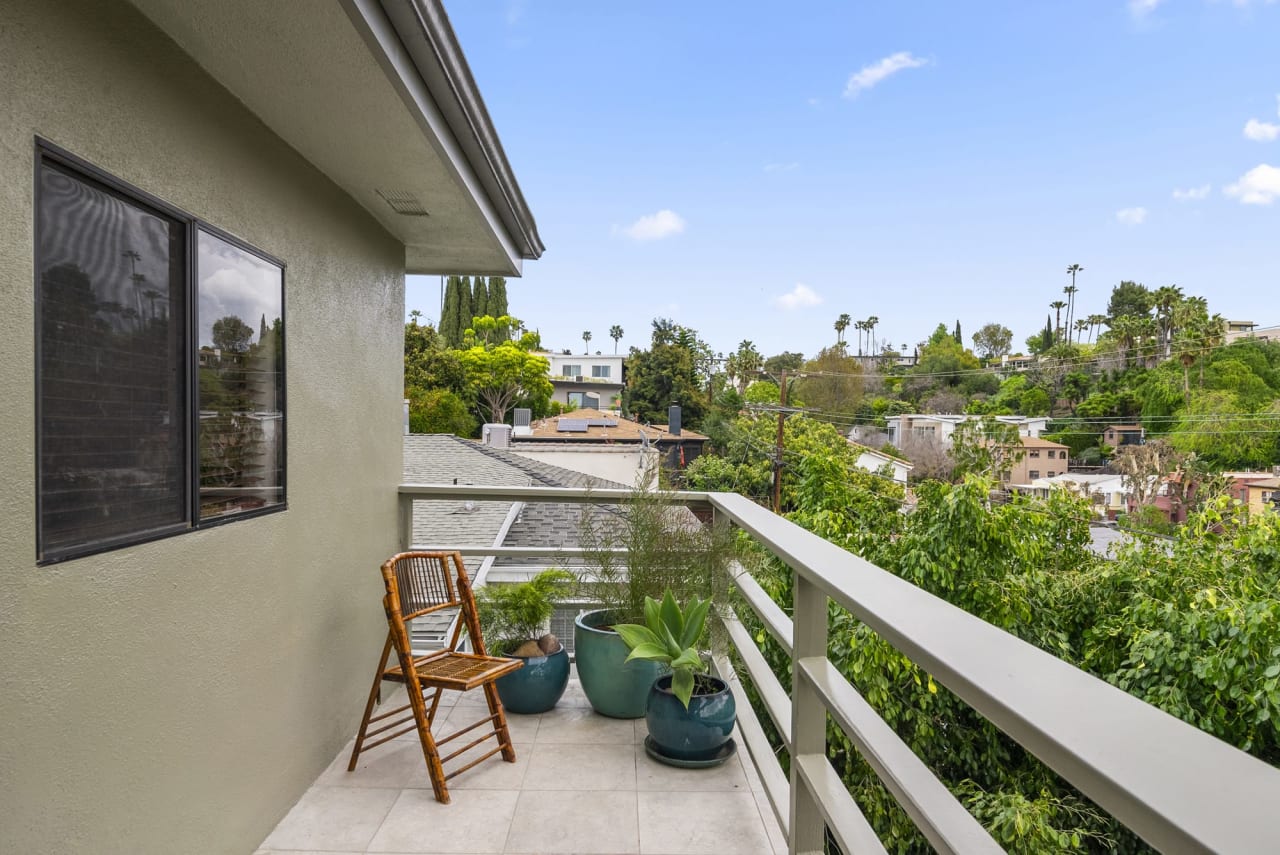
column 419, row 583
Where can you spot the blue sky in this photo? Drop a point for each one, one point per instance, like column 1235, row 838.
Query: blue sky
column 753, row 170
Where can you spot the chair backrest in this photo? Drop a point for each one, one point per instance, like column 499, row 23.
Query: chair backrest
column 419, row 583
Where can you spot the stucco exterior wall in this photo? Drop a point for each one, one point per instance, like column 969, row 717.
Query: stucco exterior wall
column 620, row 464
column 178, row 696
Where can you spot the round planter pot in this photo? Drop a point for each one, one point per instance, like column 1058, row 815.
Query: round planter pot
column 615, row 687
column 537, row 686
column 697, row 734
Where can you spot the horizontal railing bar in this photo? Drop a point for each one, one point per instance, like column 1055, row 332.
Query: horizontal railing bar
column 776, row 786
column 844, row 820
column 770, row 613
column 1145, row 767
column 777, row 703
column 557, row 495
column 519, row 551
column 949, row 827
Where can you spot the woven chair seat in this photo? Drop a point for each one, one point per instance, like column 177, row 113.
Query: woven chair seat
column 457, row 671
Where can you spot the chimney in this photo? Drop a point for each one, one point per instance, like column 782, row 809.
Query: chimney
column 406, row 416
column 673, row 420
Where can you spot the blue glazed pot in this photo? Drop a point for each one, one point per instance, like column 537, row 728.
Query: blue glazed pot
column 695, row 734
column 615, row 687
column 537, row 686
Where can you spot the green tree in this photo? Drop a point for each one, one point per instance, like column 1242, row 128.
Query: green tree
column 615, row 333
column 992, row 341
column 231, row 335
column 743, row 365
column 842, row 324
column 1057, row 306
column 668, row 373
column 985, row 447
column 785, row 361
column 497, row 305
column 500, row 376
column 480, row 298
column 834, row 382
column 586, row 341
column 440, row 411
column 1128, row 299
column 956, row 335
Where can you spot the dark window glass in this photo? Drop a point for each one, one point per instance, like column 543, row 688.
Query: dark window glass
column 112, row 356
column 241, row 386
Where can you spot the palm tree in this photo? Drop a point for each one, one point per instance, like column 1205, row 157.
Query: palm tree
column 1165, row 299
column 1212, row 334
column 1080, row 326
column 870, row 324
column 586, row 341
column 615, row 333
column 861, row 327
column 1095, row 324
column 842, row 324
column 1058, row 306
column 1073, row 269
column 414, row 315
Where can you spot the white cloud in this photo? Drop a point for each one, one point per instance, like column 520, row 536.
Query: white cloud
column 663, row 224
column 872, row 74
column 1132, row 216
column 1193, row 193
column 1142, row 8
column 781, row 167
column 1261, row 131
column 799, row 297
column 1258, row 186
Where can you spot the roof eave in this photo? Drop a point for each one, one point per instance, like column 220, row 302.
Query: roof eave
column 427, row 38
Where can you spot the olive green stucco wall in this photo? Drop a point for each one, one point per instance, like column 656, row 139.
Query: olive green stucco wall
column 178, row 696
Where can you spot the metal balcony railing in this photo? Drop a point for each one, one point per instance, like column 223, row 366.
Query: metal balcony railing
column 1178, row 788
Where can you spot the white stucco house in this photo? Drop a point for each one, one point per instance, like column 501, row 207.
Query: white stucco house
column 190, row 544
column 941, row 426
column 586, row 380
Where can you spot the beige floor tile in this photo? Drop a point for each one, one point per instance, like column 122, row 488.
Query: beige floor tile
column 492, row 774
column 584, row 726
column 602, row 823
column 475, row 821
column 523, row 728
column 652, row 775
column 581, row 767
column 333, row 818
column 771, row 827
column 393, row 765
column 642, row 729
column 697, row 823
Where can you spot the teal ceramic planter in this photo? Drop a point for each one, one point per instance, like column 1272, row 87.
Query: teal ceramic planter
column 538, row 686
column 615, row 687
column 694, row 735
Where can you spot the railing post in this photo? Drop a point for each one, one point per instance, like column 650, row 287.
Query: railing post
column 808, row 714
column 406, row 522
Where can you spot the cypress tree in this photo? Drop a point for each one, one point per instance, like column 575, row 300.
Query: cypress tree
column 498, row 296
column 468, row 306
column 480, row 299
column 959, row 338
column 449, row 314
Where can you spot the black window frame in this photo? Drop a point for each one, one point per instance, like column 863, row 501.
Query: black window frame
column 82, row 170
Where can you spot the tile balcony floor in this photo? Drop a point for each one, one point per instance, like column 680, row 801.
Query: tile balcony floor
column 581, row 783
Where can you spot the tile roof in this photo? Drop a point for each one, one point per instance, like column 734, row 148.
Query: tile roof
column 1037, row 442
column 626, row 430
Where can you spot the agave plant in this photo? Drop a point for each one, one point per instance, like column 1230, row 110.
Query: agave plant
column 670, row 636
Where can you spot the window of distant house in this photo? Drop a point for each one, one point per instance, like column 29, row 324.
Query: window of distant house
column 575, row 399
column 159, row 359
column 1035, row 473
column 571, row 371
column 1034, row 453
column 600, row 371
column 1052, row 473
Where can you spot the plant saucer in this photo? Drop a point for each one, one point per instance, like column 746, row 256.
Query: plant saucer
column 724, row 753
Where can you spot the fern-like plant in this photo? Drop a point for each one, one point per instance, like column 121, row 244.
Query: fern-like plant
column 513, row 614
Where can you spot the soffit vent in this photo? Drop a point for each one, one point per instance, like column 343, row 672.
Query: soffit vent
column 403, row 202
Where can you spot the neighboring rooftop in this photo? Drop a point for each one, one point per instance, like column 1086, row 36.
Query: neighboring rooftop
column 598, row 425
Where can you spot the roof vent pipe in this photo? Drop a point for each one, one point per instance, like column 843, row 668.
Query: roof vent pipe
column 673, row 420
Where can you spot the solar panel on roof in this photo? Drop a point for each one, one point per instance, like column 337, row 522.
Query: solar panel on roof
column 571, row 425
column 601, row 423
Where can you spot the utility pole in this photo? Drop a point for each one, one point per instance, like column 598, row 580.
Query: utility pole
column 777, row 460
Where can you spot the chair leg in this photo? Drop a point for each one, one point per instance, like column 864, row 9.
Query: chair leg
column 435, row 768
column 500, row 722
column 375, row 697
